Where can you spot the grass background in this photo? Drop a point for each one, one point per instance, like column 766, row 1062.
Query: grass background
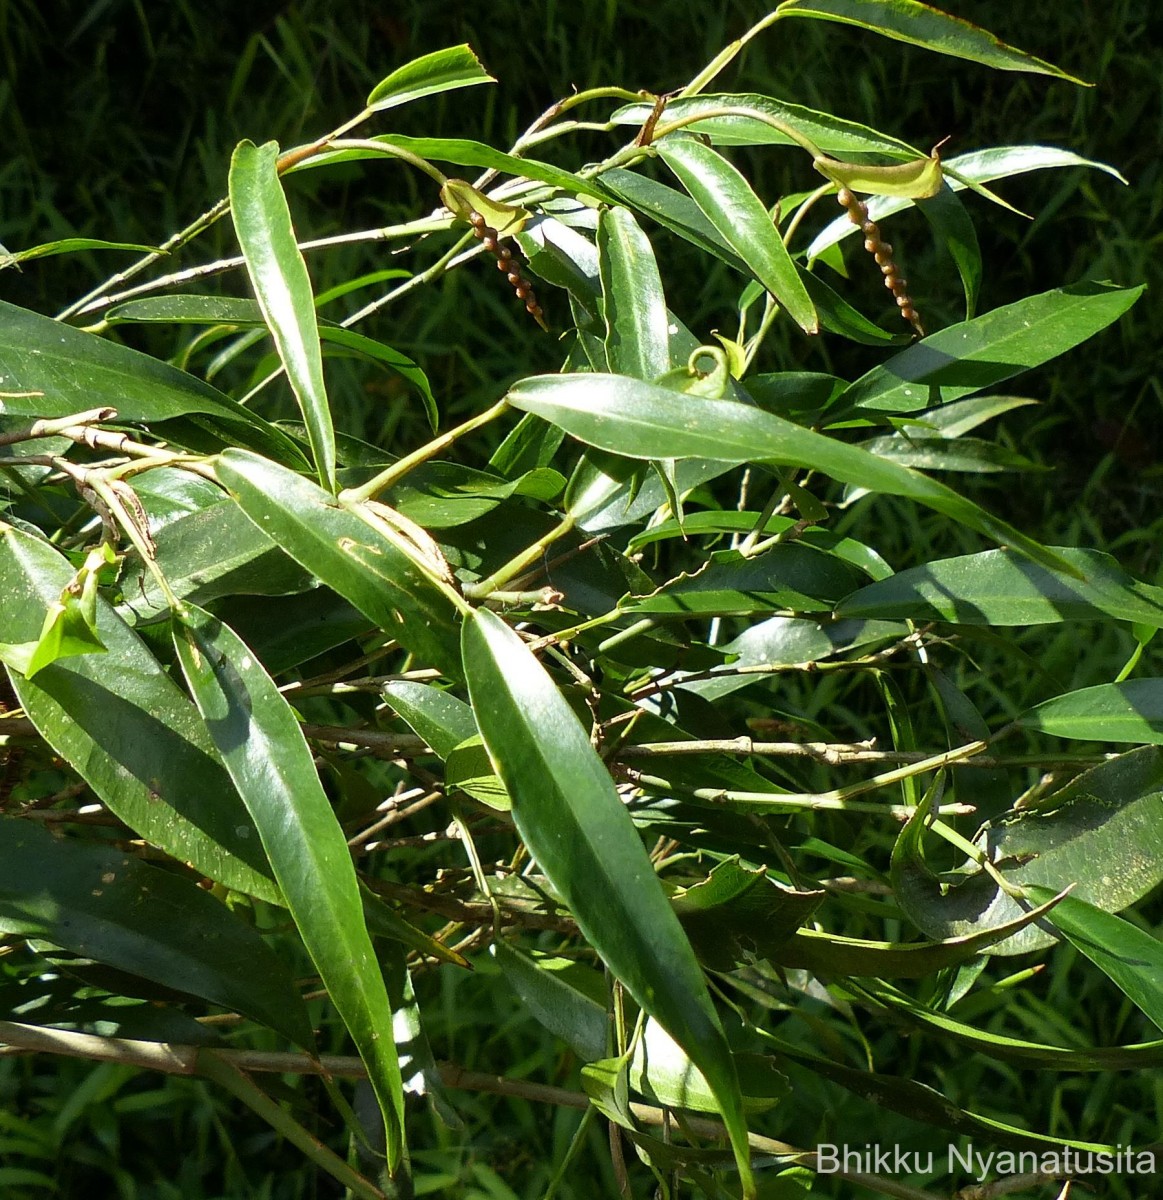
column 118, row 119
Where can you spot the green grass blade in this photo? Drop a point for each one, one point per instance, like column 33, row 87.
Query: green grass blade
column 268, row 759
column 282, row 287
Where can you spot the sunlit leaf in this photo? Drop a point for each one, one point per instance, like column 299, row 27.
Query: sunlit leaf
column 570, row 816
column 279, row 277
column 259, row 739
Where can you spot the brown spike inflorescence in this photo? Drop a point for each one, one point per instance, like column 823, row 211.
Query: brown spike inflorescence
column 882, row 252
column 491, row 241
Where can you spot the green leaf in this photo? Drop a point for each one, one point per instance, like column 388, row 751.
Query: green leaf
column 443, row 720
column 792, row 575
column 1103, row 832
column 440, row 71
column 824, row 954
column 104, row 904
column 998, row 587
column 738, row 911
column 672, row 210
column 577, row 828
column 1111, row 712
column 209, row 553
column 279, row 277
column 547, row 989
column 745, row 124
column 465, row 153
column 259, row 739
column 946, row 214
column 739, row 216
column 641, row 420
column 379, row 352
column 1128, row 955
column 662, row 1072
column 347, row 554
column 126, row 728
column 981, row 353
column 949, row 454
column 70, row 246
column 637, row 336
column 920, row 25
column 76, row 372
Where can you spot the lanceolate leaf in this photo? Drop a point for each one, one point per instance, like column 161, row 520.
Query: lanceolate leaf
column 977, row 354
column 1111, row 712
column 1103, row 832
column 128, row 730
column 260, row 742
column 440, row 71
column 744, row 125
column 739, row 216
column 278, row 274
column 443, row 720
column 637, row 337
column 641, row 420
column 74, row 371
column 998, row 587
column 1127, row 954
column 921, row 25
column 575, row 825
column 346, row 553
column 70, row 246
column 104, row 904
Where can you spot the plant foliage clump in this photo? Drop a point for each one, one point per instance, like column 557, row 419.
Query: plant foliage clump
column 625, row 689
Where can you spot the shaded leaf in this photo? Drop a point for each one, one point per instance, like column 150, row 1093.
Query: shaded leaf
column 269, row 761
column 69, row 246
column 548, row 988
column 981, row 353
column 443, row 720
column 998, row 587
column 1111, row 712
column 128, row 730
column 1103, row 832
column 100, row 902
column 77, row 371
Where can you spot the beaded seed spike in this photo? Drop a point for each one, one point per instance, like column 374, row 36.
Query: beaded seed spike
column 490, row 239
column 882, row 252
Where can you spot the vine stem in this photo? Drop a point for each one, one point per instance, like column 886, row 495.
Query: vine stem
column 498, row 579
column 393, row 474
